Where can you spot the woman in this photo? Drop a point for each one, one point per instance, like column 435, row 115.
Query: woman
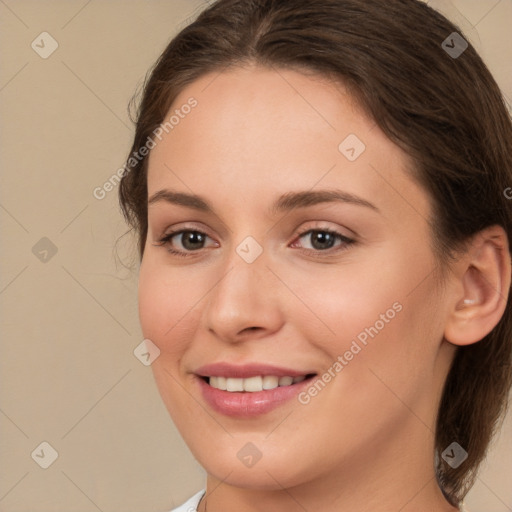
column 318, row 192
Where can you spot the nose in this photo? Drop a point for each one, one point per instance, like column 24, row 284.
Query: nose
column 245, row 302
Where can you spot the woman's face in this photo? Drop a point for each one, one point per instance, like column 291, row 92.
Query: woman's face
column 302, row 250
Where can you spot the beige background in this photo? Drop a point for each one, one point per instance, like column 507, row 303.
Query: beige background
column 68, row 375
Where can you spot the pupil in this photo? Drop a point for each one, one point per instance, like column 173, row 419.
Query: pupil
column 192, row 240
column 322, row 240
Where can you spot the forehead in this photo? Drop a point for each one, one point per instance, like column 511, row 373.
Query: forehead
column 254, row 130
column 250, row 106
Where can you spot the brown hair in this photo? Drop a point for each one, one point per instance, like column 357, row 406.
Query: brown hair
column 445, row 111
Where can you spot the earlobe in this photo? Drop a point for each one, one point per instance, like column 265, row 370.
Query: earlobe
column 483, row 288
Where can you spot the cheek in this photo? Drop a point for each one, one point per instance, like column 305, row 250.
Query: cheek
column 168, row 303
column 341, row 303
column 382, row 309
column 168, row 311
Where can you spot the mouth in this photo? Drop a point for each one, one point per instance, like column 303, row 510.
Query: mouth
column 250, row 390
column 253, row 384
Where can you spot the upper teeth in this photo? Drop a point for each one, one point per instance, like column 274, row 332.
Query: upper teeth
column 252, row 384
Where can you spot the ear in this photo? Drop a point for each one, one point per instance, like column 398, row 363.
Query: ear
column 481, row 287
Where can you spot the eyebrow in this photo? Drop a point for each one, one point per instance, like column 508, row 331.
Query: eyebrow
column 284, row 203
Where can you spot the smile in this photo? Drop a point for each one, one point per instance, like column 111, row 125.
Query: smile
column 252, row 384
column 249, row 390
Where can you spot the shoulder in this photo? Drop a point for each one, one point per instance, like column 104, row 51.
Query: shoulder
column 191, row 504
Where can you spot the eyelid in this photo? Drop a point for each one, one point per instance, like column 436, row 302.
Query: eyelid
column 346, row 240
column 164, row 240
column 183, row 226
column 322, row 226
column 168, row 236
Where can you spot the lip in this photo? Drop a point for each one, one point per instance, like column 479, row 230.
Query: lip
column 247, row 370
column 246, row 404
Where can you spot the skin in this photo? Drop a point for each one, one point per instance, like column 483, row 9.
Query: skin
column 365, row 442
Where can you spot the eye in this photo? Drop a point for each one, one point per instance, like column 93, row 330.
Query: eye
column 184, row 241
column 323, row 240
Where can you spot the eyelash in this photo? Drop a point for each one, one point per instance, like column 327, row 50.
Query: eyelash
column 167, row 238
column 346, row 242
